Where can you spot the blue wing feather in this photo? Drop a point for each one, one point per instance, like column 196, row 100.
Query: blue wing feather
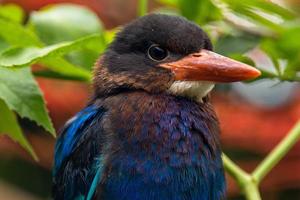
column 72, row 133
column 77, row 155
column 96, row 179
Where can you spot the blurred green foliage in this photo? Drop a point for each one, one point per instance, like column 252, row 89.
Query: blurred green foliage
column 27, row 176
column 67, row 39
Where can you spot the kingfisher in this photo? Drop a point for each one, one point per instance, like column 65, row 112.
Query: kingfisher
column 149, row 131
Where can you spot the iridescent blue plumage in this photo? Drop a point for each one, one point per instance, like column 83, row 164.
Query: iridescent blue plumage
column 169, row 151
column 72, row 133
column 77, row 132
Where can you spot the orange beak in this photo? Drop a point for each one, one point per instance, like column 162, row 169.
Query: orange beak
column 209, row 66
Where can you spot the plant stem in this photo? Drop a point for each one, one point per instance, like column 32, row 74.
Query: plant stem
column 246, row 182
column 142, row 7
column 251, row 190
column 249, row 183
column 277, row 153
column 234, row 170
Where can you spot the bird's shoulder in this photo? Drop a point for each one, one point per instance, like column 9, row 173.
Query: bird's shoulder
column 76, row 152
column 74, row 131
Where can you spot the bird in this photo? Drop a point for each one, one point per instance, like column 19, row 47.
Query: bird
column 149, row 131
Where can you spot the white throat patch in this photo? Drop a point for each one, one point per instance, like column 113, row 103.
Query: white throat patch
column 192, row 89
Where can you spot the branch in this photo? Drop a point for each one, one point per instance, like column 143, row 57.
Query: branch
column 277, row 153
column 246, row 182
column 234, row 170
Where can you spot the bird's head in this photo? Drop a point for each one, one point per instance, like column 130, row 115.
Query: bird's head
column 161, row 53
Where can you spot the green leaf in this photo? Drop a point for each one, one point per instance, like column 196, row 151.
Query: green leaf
column 200, row 11
column 21, row 93
column 109, row 35
column 85, row 58
column 65, row 68
column 142, row 7
column 9, row 126
column 3, row 45
column 267, row 6
column 172, row 3
column 16, row 34
column 55, row 75
column 167, row 11
column 288, row 41
column 244, row 59
column 12, row 12
column 23, row 56
column 285, row 47
column 64, row 22
column 236, row 44
column 189, row 8
column 257, row 18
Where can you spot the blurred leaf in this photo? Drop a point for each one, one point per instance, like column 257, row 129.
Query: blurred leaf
column 267, row 74
column 285, row 46
column 12, row 12
column 142, row 7
column 86, row 62
column 3, row 45
column 21, row 93
column 267, row 46
column 273, row 7
column 86, row 56
column 167, row 11
column 16, row 34
column 27, row 176
column 243, row 58
column 236, row 44
column 64, row 68
column 288, row 42
column 172, row 3
column 52, row 74
column 189, row 8
column 250, row 13
column 9, row 126
column 109, row 35
column 267, row 6
column 64, row 22
column 22, row 56
column 200, row 11
column 251, row 19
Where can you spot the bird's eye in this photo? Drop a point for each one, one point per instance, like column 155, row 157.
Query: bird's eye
column 157, row 53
